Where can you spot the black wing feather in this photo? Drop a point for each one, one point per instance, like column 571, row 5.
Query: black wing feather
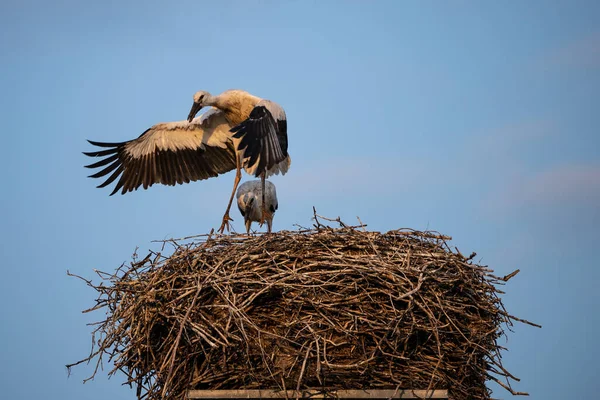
column 106, row 170
column 105, row 144
column 261, row 139
column 111, row 178
column 103, row 161
column 101, row 153
column 282, row 135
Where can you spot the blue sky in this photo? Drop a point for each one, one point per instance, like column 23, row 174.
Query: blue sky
column 476, row 119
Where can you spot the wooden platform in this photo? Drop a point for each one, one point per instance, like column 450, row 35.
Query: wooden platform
column 317, row 394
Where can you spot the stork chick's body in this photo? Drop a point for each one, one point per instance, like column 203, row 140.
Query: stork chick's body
column 250, row 203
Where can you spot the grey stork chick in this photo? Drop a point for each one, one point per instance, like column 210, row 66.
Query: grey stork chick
column 249, row 200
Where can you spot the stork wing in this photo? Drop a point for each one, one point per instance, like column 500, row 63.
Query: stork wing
column 169, row 153
column 263, row 137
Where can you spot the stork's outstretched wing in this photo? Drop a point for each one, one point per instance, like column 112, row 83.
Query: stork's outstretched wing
column 168, row 153
column 263, row 137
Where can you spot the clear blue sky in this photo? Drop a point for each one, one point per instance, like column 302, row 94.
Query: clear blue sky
column 476, row 119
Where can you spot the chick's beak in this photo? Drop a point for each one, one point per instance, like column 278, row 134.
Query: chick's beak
column 195, row 108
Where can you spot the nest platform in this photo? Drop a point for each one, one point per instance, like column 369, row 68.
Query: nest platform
column 325, row 309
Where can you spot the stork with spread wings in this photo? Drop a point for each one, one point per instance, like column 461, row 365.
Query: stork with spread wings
column 239, row 131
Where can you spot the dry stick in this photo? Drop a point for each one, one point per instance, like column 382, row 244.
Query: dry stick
column 430, row 386
column 302, row 370
column 338, row 220
column 512, row 274
column 424, row 234
column 514, row 393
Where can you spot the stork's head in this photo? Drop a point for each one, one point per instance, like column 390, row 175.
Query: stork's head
column 200, row 100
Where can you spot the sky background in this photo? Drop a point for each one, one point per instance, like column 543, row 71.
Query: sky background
column 476, row 119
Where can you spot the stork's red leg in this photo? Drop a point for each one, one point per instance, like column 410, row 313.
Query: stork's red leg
column 238, row 177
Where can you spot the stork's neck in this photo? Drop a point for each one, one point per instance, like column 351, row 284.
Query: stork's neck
column 211, row 100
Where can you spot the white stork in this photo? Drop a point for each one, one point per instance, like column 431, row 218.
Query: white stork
column 250, row 200
column 238, row 131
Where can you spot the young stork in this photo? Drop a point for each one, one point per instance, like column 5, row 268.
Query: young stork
column 238, row 131
column 250, row 200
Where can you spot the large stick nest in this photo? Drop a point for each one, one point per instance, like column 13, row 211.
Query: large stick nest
column 321, row 308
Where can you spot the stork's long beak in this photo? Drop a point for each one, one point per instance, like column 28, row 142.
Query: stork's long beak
column 195, row 108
